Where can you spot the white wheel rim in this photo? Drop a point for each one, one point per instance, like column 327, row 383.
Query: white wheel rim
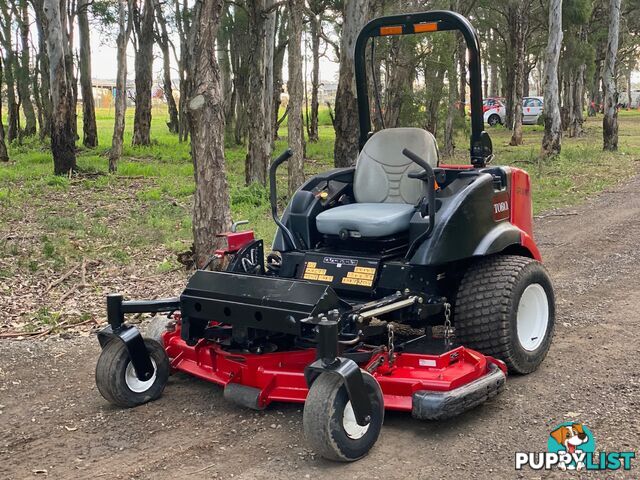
column 350, row 425
column 533, row 317
column 134, row 383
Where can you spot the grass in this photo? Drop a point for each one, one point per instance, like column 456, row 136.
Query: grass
column 147, row 205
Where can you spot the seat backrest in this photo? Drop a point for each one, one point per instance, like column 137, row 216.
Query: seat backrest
column 382, row 169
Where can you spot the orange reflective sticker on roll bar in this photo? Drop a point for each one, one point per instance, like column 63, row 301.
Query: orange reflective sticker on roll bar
column 425, row 27
column 395, row 30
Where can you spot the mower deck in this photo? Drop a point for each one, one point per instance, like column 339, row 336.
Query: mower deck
column 430, row 385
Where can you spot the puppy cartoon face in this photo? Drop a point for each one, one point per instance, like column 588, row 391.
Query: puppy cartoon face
column 570, row 436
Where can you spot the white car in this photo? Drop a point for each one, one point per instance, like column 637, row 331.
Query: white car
column 532, row 109
column 494, row 112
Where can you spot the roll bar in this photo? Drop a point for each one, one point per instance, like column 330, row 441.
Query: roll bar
column 481, row 149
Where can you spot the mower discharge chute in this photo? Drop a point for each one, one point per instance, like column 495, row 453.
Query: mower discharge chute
column 367, row 262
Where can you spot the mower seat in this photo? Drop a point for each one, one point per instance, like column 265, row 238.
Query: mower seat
column 385, row 196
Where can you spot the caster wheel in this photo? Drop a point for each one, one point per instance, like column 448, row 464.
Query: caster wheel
column 116, row 378
column 329, row 422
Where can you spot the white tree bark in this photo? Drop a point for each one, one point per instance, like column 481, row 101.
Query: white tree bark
column 552, row 140
column 296, row 96
column 63, row 140
column 610, row 120
column 124, row 31
column 355, row 15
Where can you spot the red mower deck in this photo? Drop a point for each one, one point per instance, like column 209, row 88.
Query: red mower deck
column 450, row 382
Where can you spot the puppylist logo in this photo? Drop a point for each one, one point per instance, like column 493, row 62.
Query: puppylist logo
column 572, row 446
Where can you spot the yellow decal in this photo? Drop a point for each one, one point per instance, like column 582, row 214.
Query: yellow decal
column 365, row 270
column 361, row 276
column 316, row 271
column 356, row 281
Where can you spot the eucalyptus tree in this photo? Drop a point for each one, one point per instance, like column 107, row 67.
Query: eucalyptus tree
column 63, row 139
column 211, row 211
column 610, row 120
column 354, row 14
column 552, row 140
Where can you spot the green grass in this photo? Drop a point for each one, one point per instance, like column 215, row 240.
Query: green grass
column 148, row 203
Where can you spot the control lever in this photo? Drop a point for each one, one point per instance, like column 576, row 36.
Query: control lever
column 273, row 197
column 429, row 177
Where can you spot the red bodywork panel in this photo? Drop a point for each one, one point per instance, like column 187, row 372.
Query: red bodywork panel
column 280, row 375
column 522, row 209
column 235, row 241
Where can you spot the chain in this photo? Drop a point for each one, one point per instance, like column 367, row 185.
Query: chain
column 448, row 330
column 390, row 344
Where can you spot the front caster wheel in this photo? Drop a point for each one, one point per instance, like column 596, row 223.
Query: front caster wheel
column 329, row 422
column 116, row 378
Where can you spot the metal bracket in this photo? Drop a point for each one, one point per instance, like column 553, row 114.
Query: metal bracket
column 133, row 341
column 130, row 335
column 329, row 362
column 351, row 376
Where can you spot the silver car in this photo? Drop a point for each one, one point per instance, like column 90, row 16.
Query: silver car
column 532, row 109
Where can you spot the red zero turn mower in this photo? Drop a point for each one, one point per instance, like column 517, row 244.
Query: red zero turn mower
column 367, row 262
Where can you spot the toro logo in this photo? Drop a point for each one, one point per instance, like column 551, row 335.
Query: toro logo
column 501, row 209
column 572, row 446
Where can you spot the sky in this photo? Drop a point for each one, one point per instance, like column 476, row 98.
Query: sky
column 104, row 65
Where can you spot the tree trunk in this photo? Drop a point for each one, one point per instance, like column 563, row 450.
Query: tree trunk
column 13, row 113
column 278, row 62
column 452, row 111
column 143, row 24
column 63, row 141
column 167, row 86
column 519, row 32
column 462, row 78
column 4, row 155
column 610, row 120
column 436, row 87
column 494, row 84
column 315, row 75
column 211, row 212
column 355, row 14
column 24, row 74
column 577, row 119
column 296, row 96
column 90, row 130
column 259, row 147
column 43, row 67
column 124, row 31
column 485, row 76
column 224, row 62
column 401, row 72
column 183, row 26
column 269, row 75
column 552, row 140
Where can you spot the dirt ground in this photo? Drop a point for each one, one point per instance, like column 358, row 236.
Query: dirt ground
column 54, row 423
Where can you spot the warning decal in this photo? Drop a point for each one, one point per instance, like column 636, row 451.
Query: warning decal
column 351, row 272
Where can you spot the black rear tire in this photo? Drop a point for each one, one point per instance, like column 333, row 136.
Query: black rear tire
column 486, row 311
column 494, row 120
column 115, row 377
column 330, row 432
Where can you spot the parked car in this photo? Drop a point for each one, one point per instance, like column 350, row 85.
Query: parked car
column 491, row 102
column 532, row 109
column 494, row 111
